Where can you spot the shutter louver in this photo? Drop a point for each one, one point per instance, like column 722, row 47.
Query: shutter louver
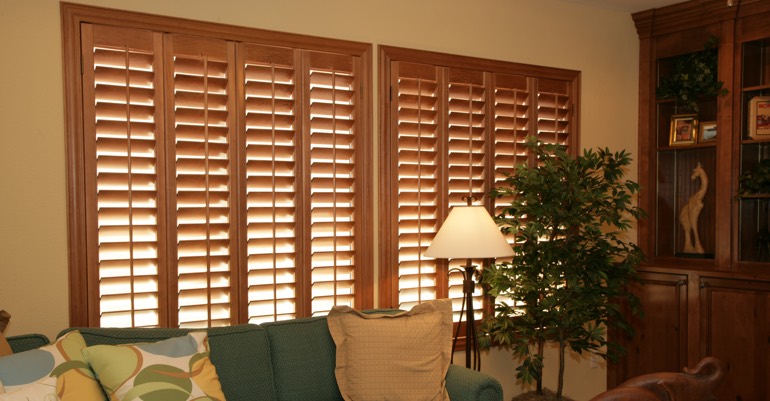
column 332, row 97
column 417, row 136
column 121, row 157
column 270, row 132
column 202, row 132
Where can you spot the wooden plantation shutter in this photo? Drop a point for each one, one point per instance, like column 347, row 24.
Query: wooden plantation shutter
column 466, row 137
column 201, row 129
column 214, row 180
column 332, row 126
column 512, row 125
column 452, row 125
column 123, row 139
column 416, row 176
column 441, row 136
column 270, row 142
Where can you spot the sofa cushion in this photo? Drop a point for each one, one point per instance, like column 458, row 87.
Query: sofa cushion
column 403, row 356
column 62, row 359
column 303, row 360
column 175, row 369
column 240, row 353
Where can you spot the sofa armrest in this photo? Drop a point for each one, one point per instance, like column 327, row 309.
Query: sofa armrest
column 465, row 384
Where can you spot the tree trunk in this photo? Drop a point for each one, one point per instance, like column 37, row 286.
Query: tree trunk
column 540, row 346
column 560, row 387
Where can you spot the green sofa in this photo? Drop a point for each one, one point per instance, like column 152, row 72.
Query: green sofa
column 277, row 361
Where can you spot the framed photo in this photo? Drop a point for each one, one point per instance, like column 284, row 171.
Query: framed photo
column 708, row 131
column 759, row 117
column 684, row 129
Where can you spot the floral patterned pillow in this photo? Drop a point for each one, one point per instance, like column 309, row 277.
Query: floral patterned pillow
column 176, row 369
column 63, row 360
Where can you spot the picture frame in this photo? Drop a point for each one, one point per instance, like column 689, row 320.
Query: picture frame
column 759, row 117
column 684, row 129
column 708, row 131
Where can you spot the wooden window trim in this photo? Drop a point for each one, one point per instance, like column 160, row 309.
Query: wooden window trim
column 72, row 15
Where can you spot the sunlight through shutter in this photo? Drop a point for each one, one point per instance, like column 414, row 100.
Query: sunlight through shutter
column 417, row 135
column 123, row 131
column 332, row 97
column 271, row 198
column 202, row 135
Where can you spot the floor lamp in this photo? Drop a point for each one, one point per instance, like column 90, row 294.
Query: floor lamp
column 469, row 233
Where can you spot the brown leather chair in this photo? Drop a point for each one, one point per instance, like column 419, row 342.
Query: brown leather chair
column 693, row 385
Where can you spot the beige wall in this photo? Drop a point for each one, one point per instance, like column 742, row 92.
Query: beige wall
column 33, row 241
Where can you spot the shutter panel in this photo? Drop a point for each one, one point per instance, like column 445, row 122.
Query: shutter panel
column 122, row 151
column 418, row 119
column 466, row 159
column 270, row 186
column 200, row 81
column 332, row 100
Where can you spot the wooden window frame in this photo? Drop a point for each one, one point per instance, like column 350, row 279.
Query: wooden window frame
column 82, row 309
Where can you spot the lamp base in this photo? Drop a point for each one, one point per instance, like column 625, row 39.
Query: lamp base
column 471, row 340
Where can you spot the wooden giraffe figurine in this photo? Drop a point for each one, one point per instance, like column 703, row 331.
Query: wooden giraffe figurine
column 688, row 216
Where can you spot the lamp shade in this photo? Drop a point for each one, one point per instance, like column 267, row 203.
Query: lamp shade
column 469, row 232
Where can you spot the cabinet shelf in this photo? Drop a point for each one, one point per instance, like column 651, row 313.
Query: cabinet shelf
column 755, row 141
column 755, row 196
column 755, row 88
column 689, row 147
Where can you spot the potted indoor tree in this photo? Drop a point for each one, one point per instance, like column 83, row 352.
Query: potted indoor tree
column 572, row 265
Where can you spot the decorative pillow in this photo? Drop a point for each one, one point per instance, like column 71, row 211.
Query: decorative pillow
column 403, row 356
column 43, row 390
column 63, row 359
column 176, row 369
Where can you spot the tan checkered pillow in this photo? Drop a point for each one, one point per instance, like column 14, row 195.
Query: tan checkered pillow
column 403, row 356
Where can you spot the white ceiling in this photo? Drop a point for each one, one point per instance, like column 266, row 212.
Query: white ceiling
column 629, row 6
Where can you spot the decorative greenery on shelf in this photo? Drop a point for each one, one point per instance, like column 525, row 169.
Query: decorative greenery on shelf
column 572, row 264
column 694, row 77
column 755, row 181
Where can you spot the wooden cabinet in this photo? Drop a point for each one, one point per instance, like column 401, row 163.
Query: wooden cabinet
column 715, row 301
column 663, row 328
column 735, row 325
